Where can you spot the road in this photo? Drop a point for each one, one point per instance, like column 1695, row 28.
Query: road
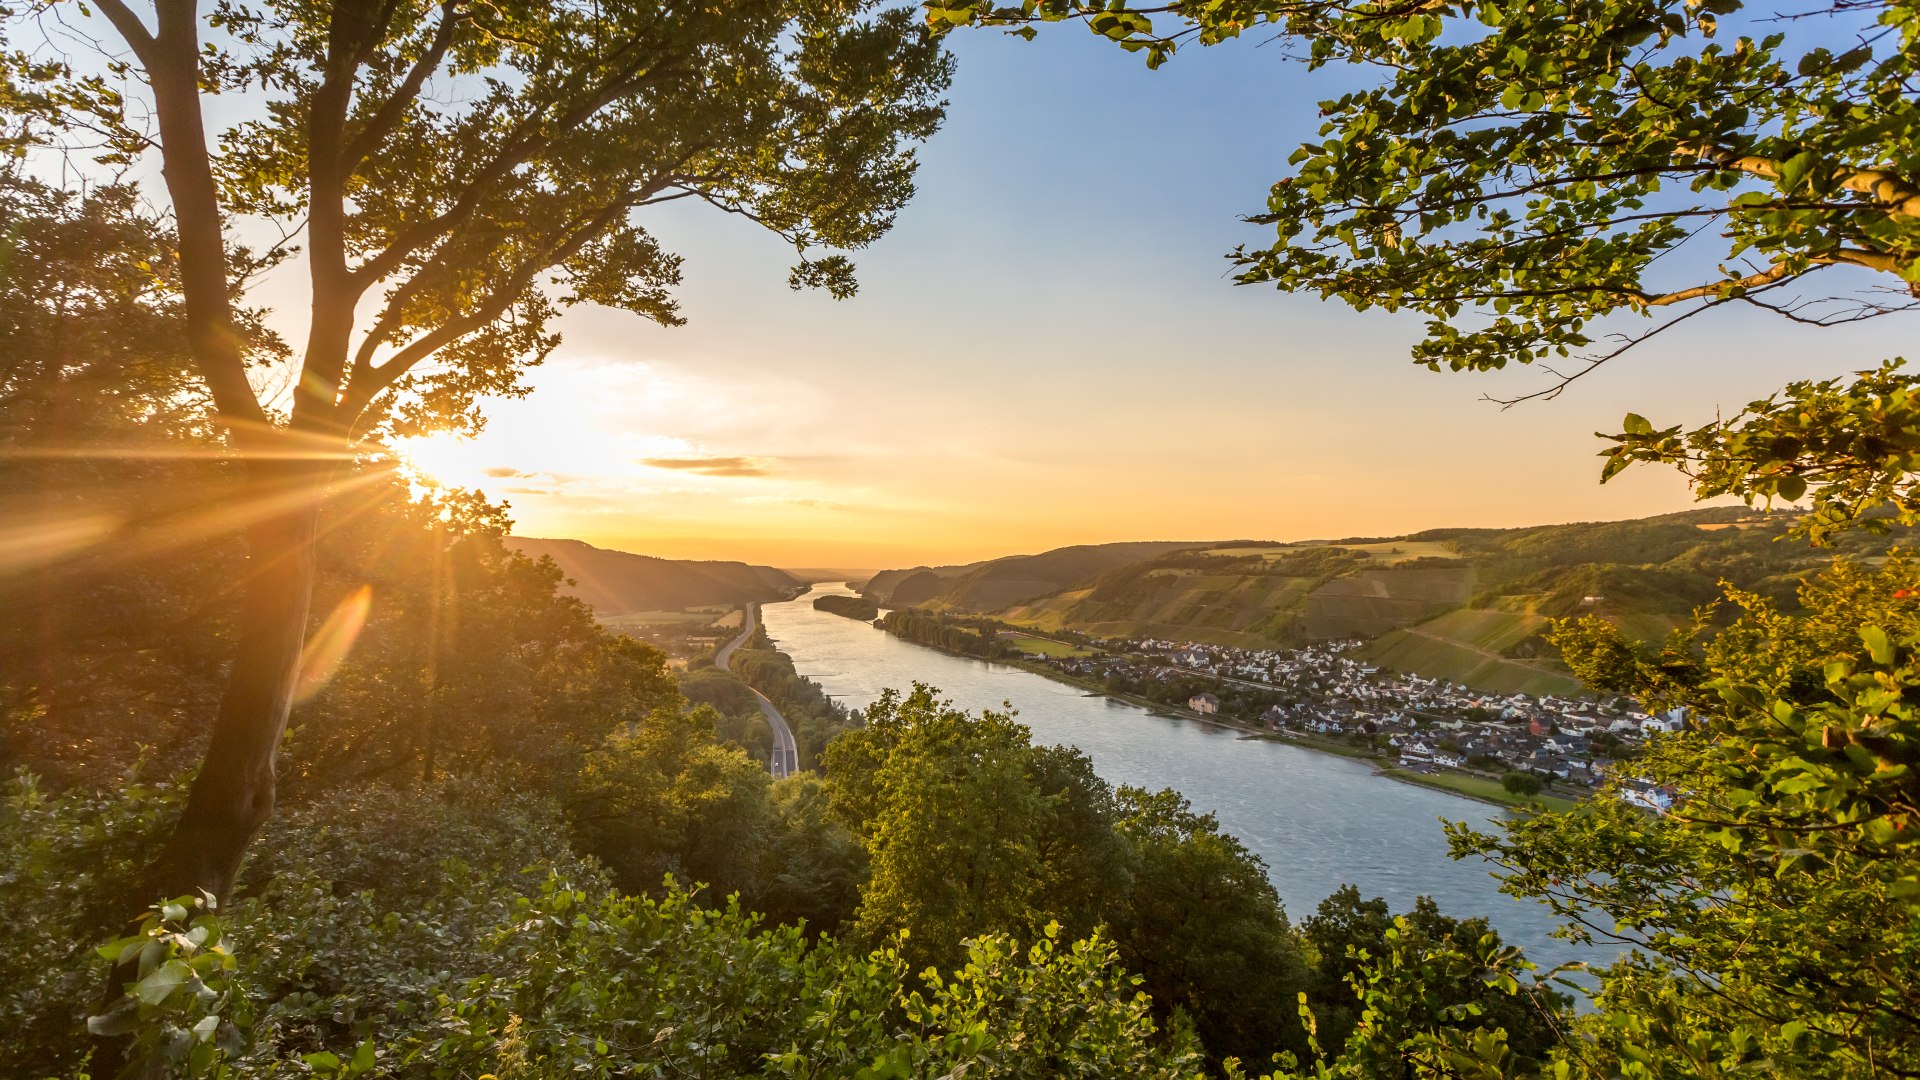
column 786, row 752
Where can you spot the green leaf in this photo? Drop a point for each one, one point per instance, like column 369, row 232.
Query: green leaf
column 164, row 980
column 1635, row 424
column 1793, row 171
column 122, row 1019
column 1879, row 646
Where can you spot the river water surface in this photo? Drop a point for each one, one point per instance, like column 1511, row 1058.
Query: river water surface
column 1318, row 820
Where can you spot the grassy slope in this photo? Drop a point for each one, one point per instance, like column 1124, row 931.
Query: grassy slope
column 1477, row 787
column 994, row 585
column 1468, row 605
column 1416, row 651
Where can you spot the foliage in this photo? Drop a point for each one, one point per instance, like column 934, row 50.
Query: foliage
column 815, row 867
column 946, row 633
column 1773, row 907
column 1423, row 1011
column 853, row 607
column 469, row 656
column 949, row 818
column 1204, row 927
column 438, row 931
column 1525, row 785
column 92, row 315
column 69, row 863
column 666, row 799
column 1346, row 934
column 1854, row 444
column 970, row 829
column 182, row 1005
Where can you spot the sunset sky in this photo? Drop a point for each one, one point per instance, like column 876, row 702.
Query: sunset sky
column 1046, row 351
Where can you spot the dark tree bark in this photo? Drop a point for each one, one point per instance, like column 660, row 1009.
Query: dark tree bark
column 286, row 474
column 232, row 796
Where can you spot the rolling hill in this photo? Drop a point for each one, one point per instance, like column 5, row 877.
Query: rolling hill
column 927, row 583
column 616, row 583
column 1469, row 605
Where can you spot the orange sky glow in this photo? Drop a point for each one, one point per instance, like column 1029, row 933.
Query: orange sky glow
column 1020, row 373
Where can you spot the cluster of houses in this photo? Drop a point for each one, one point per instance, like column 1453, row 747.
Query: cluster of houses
column 1326, row 690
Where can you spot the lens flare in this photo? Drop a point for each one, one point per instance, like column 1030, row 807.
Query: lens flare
column 41, row 543
column 329, row 645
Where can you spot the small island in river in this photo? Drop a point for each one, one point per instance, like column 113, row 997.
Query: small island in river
column 853, row 607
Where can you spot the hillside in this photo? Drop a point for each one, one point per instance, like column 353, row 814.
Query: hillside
column 616, row 583
column 1469, row 605
column 882, row 585
column 996, row 583
column 1001, row 582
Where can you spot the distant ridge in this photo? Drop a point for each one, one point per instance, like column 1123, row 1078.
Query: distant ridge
column 617, row 583
column 1466, row 604
column 996, row 583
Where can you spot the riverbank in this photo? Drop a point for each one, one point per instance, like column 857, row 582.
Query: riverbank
column 1465, row 785
column 1479, row 788
column 1318, row 822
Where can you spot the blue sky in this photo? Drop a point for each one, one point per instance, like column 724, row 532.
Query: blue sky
column 1047, row 350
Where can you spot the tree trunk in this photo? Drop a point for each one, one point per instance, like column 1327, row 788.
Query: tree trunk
column 233, row 794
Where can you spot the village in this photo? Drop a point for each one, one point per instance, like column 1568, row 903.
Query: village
column 1323, row 693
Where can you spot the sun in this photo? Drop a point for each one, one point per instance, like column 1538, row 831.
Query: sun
column 446, row 459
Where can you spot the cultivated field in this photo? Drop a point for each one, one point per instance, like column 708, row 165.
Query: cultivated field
column 1383, row 554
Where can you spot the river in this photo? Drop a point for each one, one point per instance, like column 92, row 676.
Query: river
column 1318, row 820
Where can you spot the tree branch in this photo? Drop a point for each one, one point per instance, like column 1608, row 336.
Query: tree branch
column 370, row 382
column 1771, row 275
column 530, row 136
column 1890, row 191
column 172, row 62
column 390, row 112
column 131, row 29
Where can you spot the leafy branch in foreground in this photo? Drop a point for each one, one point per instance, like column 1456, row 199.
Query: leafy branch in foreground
column 1855, row 444
column 1524, row 170
column 1771, row 911
column 1527, row 175
column 182, row 1004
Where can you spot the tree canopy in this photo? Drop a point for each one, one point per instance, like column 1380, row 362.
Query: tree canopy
column 450, row 176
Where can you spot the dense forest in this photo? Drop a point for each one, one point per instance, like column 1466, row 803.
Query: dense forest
column 968, row 637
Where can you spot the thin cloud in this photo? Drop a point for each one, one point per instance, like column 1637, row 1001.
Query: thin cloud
column 806, row 503
column 712, row 466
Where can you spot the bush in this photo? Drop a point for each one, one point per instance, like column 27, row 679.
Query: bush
column 445, row 930
column 1525, row 785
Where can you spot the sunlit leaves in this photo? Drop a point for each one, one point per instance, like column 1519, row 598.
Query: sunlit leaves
column 1853, row 443
column 1522, row 169
column 181, row 1000
column 1784, row 877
